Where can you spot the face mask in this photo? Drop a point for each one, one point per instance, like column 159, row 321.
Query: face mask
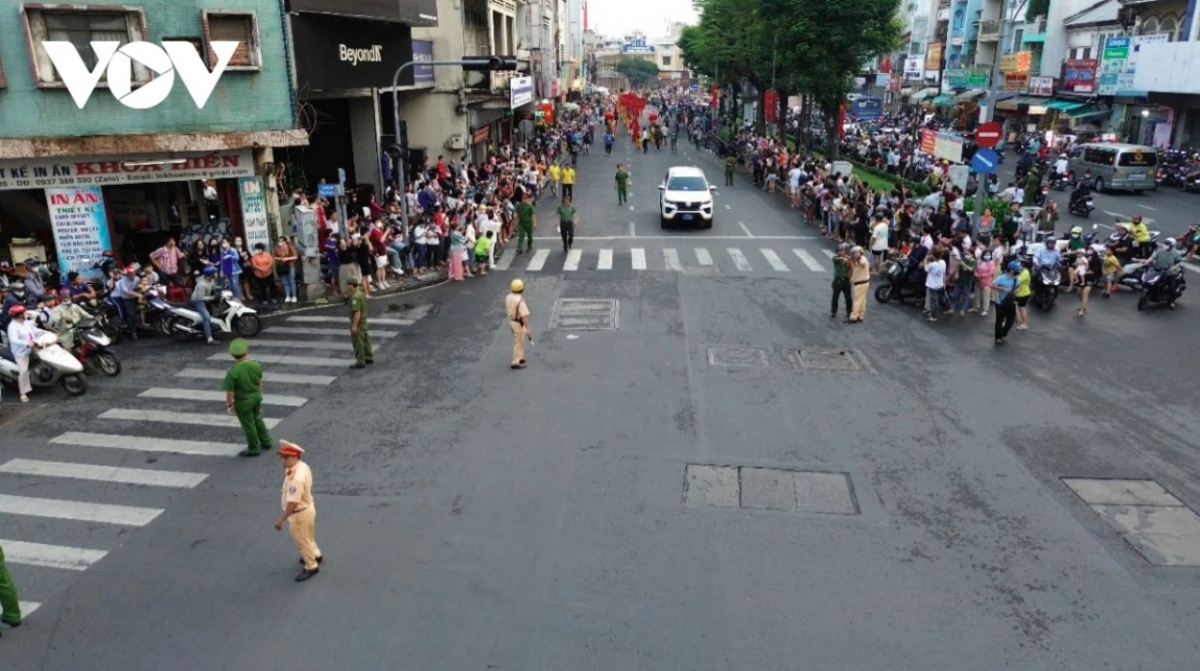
column 987, row 257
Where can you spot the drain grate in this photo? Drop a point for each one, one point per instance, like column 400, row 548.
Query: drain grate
column 829, row 493
column 415, row 312
column 737, row 356
column 839, row 360
column 585, row 314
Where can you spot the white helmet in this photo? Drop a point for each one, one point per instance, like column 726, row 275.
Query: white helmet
column 1170, row 242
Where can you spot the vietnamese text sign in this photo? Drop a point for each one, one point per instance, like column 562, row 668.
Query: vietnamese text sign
column 1016, row 81
column 422, row 54
column 132, row 169
column 80, row 228
column 912, row 68
column 1119, row 65
column 1041, row 86
column 948, row 147
column 1079, row 75
column 1018, row 62
column 520, row 91
column 933, row 56
column 976, row 78
column 254, row 213
column 928, row 141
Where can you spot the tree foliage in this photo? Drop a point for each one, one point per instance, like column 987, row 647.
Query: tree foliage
column 637, row 70
column 810, row 47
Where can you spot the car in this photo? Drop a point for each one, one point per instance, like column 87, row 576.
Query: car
column 686, row 197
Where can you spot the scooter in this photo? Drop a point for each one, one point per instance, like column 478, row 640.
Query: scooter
column 230, row 316
column 899, row 283
column 1154, row 287
column 1059, row 181
column 49, row 365
column 1046, row 281
column 92, row 348
column 1082, row 207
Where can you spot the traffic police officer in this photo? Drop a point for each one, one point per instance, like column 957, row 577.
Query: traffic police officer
column 299, row 511
column 360, row 336
column 243, row 397
column 517, row 313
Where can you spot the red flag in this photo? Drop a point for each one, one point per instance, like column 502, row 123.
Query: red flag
column 715, row 97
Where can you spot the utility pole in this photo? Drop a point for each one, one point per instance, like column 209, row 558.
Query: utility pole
column 986, row 111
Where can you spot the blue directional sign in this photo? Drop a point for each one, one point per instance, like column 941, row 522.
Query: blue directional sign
column 984, row 161
column 327, row 190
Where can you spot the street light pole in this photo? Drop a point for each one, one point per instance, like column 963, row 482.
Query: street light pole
column 986, row 111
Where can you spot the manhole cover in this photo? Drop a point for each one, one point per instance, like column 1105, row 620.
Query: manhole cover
column 701, row 270
column 541, row 283
column 1159, row 526
column 585, row 314
column 737, row 356
column 829, row 493
column 842, row 360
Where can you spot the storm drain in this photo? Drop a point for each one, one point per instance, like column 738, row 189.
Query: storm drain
column 769, row 489
column 585, row 314
column 838, row 360
column 737, row 356
column 415, row 312
column 1159, row 526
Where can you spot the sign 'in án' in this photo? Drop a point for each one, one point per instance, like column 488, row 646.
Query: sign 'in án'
column 988, row 134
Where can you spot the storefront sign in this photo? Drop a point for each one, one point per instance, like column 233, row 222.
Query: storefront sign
column 480, row 135
column 80, row 228
column 1041, row 86
column 254, row 212
column 1116, row 49
column 1079, row 75
column 962, row 78
column 948, row 147
column 412, row 12
column 336, row 53
column 928, row 141
column 933, row 56
column 520, row 91
column 133, row 169
column 1016, row 81
column 422, row 53
column 913, row 68
column 1120, row 63
column 1018, row 62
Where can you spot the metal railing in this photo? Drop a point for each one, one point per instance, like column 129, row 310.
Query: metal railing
column 989, row 30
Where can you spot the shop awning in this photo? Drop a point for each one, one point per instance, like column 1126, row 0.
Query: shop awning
column 922, row 94
column 1013, row 103
column 944, row 100
column 1088, row 112
column 968, row 96
column 1064, row 105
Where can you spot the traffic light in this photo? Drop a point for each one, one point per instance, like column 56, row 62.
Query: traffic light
column 489, row 63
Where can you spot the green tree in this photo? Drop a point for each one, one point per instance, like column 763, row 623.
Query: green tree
column 637, row 70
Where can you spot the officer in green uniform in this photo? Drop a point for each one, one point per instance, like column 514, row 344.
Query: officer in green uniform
column 243, row 397
column 622, row 185
column 10, row 608
column 730, row 166
column 360, row 336
column 526, row 222
column 568, row 216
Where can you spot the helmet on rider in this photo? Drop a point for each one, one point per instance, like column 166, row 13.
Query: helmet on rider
column 30, row 262
column 17, row 310
column 1122, row 226
column 1170, row 243
column 209, row 270
column 17, row 288
column 1076, row 230
column 64, row 292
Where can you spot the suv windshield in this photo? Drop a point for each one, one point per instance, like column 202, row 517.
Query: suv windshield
column 686, row 184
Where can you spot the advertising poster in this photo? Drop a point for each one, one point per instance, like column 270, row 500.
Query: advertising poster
column 254, row 212
column 80, row 228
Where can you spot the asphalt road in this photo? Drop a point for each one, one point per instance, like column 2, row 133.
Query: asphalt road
column 624, row 503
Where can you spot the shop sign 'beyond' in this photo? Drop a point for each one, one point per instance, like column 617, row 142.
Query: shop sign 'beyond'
column 116, row 60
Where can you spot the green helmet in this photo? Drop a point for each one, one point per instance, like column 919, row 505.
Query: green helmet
column 1077, row 230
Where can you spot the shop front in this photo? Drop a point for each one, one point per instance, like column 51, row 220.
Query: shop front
column 69, row 211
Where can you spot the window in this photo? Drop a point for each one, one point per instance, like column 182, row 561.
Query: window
column 1170, row 27
column 1099, row 155
column 1150, row 26
column 48, row 23
column 232, row 26
column 666, row 61
column 1138, row 159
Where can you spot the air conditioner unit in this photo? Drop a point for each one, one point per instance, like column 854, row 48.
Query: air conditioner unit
column 522, row 54
column 456, row 142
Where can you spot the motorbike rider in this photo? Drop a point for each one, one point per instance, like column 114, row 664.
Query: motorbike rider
column 1048, row 256
column 1080, row 194
column 205, row 290
column 33, row 280
column 21, row 335
column 1191, row 242
column 1141, row 238
column 16, row 296
column 1122, row 246
column 1075, row 241
column 1167, row 260
column 79, row 287
column 1062, row 168
column 65, row 316
column 125, row 294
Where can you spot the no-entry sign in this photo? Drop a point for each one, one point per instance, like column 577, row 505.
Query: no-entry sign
column 988, row 134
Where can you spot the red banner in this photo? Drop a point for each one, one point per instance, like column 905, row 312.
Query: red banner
column 928, row 141
column 716, row 96
column 771, row 106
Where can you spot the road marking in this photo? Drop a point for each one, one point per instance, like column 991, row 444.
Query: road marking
column 774, row 260
column 703, row 257
column 127, row 476
column 273, row 377
column 506, row 259
column 1190, row 266
column 289, row 360
column 196, row 448
column 304, row 344
column 27, row 607
column 217, row 395
column 828, row 252
column 631, row 208
column 346, row 320
column 748, row 233
column 605, row 262
column 168, row 417
column 1147, row 207
column 539, row 260
column 808, row 259
column 573, row 258
column 671, row 259
column 639, row 258
column 739, row 259
column 727, row 207
column 77, row 510
column 50, row 556
column 303, row 330
column 632, row 230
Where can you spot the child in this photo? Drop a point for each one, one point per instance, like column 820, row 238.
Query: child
column 143, row 301
column 482, row 247
column 1112, row 272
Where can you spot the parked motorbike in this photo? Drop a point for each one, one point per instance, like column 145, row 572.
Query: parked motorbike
column 92, row 348
column 49, row 365
column 1191, row 183
column 1155, row 289
column 899, row 284
column 229, row 315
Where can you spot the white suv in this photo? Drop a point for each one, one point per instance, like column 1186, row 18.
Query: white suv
column 686, row 197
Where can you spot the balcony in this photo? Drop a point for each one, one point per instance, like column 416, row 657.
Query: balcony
column 943, row 14
column 1035, row 32
column 989, row 31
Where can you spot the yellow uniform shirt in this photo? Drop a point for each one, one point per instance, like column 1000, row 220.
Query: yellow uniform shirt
column 297, row 487
column 568, row 175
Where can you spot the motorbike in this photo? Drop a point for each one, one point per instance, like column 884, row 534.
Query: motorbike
column 92, row 348
column 1060, row 182
column 1191, row 183
column 1154, row 288
column 229, row 316
column 1046, row 282
column 1082, row 207
column 49, row 365
column 900, row 284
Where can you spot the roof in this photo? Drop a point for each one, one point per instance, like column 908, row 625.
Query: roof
column 1100, row 13
column 685, row 170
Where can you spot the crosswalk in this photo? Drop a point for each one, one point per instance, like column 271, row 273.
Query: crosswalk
column 670, row 259
column 104, row 463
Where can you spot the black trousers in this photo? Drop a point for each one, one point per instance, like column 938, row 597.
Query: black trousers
column 1005, row 316
column 569, row 190
column 840, row 288
column 568, row 234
